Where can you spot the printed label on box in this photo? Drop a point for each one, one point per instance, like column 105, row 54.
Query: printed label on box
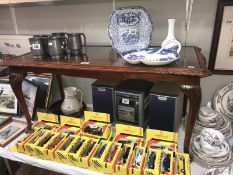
column 98, row 116
column 64, row 120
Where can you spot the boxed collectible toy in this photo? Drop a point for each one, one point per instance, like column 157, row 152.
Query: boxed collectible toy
column 81, row 151
column 35, row 139
column 46, row 121
column 167, row 163
column 70, row 125
column 20, row 145
column 61, row 154
column 127, row 134
column 96, row 125
column 137, row 161
column 123, row 159
column 182, row 164
column 98, row 158
column 152, row 162
column 48, row 148
column 163, row 140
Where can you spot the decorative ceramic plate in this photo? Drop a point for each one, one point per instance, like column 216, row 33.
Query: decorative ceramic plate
column 223, row 100
column 130, row 28
column 154, row 56
column 223, row 151
column 215, row 163
column 219, row 171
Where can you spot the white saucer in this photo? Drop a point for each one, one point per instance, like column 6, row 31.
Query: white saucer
column 219, row 171
column 223, row 150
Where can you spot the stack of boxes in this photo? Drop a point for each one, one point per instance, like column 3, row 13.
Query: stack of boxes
column 90, row 144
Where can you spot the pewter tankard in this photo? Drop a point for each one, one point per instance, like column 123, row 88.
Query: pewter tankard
column 75, row 43
column 57, row 47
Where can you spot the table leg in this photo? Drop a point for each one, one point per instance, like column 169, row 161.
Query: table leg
column 193, row 94
column 16, row 80
column 59, row 81
column 8, row 166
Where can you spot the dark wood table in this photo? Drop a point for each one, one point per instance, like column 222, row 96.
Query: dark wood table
column 104, row 63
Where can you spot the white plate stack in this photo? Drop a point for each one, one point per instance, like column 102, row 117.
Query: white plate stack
column 210, row 149
column 219, row 171
column 209, row 118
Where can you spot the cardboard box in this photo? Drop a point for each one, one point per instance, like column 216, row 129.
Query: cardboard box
column 127, row 134
column 182, row 166
column 51, row 146
column 82, row 157
column 46, row 121
column 96, row 125
column 98, row 158
column 70, row 125
column 123, row 159
column 20, row 145
column 167, row 163
column 111, row 158
column 34, row 140
column 163, row 140
column 137, row 161
column 152, row 162
column 61, row 154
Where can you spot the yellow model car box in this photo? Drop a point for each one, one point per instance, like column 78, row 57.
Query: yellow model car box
column 152, row 162
column 182, row 166
column 39, row 147
column 163, row 140
column 34, row 140
column 123, row 160
column 20, row 145
column 98, row 158
column 70, row 125
column 137, row 161
column 61, row 154
column 108, row 163
column 127, row 134
column 51, row 146
column 81, row 151
column 96, row 125
column 167, row 163
column 46, row 121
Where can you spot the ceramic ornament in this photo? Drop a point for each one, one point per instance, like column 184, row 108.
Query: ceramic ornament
column 171, row 32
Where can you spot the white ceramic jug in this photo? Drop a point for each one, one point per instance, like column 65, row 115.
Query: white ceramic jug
column 72, row 103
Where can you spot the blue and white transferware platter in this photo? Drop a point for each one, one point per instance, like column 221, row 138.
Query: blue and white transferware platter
column 130, row 28
column 153, row 56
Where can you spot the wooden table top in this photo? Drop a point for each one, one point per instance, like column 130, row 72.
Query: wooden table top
column 105, row 59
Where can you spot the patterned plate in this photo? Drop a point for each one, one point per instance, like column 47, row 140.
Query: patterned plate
column 130, row 28
column 223, row 100
column 224, row 150
column 219, row 171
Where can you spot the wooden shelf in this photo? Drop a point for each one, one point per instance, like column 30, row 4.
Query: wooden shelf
column 23, row 1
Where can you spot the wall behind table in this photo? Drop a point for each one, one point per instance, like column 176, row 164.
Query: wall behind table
column 92, row 17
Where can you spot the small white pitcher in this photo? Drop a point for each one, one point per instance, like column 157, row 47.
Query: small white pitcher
column 72, row 102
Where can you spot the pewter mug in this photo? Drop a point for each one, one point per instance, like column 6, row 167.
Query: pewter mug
column 75, row 43
column 57, row 47
column 45, row 38
column 38, row 47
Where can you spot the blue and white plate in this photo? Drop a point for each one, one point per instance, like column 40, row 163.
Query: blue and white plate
column 153, row 56
column 130, row 28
